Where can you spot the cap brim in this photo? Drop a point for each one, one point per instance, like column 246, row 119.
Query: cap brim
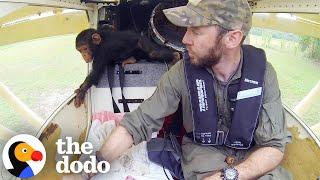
column 183, row 16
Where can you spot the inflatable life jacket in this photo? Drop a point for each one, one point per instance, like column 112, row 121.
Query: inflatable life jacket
column 247, row 96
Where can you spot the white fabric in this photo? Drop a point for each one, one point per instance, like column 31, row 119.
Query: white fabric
column 134, row 163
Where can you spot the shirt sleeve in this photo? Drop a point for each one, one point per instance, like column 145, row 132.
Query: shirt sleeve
column 149, row 116
column 272, row 130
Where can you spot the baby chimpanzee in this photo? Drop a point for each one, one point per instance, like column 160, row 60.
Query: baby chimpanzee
column 103, row 47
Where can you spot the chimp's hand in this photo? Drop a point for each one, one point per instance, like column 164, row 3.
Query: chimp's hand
column 79, row 99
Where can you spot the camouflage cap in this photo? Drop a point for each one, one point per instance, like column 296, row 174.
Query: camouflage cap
column 229, row 14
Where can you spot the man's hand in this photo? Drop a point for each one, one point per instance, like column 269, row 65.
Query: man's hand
column 119, row 141
column 261, row 161
column 80, row 95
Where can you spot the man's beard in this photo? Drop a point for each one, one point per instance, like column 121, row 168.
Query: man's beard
column 211, row 58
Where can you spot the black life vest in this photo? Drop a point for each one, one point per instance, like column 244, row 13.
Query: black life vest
column 247, row 98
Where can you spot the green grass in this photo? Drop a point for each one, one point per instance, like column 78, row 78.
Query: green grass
column 42, row 73
column 297, row 75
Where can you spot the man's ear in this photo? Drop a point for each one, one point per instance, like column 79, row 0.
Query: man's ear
column 96, row 38
column 233, row 38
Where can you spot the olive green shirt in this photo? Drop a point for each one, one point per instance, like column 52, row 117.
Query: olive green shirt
column 172, row 88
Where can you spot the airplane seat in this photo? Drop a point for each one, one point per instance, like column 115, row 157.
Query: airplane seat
column 139, row 83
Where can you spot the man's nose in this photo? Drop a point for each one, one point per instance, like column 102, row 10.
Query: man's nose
column 187, row 38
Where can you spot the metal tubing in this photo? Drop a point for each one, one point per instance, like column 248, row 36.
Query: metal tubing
column 24, row 111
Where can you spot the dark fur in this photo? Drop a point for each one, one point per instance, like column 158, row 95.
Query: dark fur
column 116, row 47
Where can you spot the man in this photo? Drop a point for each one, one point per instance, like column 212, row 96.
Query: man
column 232, row 111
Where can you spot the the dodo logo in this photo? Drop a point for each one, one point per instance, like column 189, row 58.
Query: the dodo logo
column 24, row 156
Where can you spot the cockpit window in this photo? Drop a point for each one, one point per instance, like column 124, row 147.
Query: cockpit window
column 39, row 62
column 292, row 45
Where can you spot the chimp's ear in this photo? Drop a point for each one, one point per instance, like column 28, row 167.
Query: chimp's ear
column 96, row 38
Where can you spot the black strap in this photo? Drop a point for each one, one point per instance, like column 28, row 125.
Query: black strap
column 121, row 78
column 110, row 81
column 219, row 137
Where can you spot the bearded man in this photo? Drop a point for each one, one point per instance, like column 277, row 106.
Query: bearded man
column 231, row 105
